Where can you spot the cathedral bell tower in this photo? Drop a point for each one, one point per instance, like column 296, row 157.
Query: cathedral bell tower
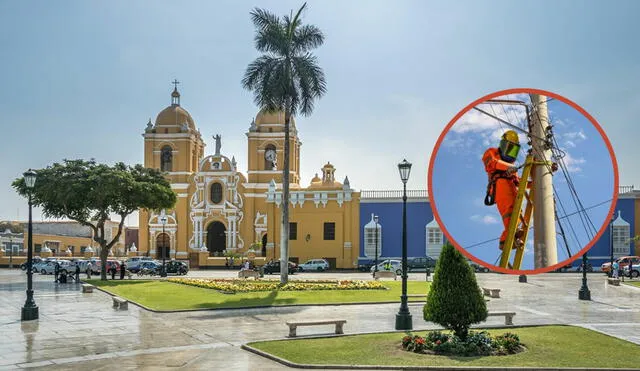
column 173, row 145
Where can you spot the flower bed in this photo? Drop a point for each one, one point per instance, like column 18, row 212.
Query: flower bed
column 228, row 285
column 476, row 344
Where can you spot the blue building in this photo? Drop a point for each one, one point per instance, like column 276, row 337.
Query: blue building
column 425, row 238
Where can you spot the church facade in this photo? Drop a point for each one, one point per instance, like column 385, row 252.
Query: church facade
column 222, row 211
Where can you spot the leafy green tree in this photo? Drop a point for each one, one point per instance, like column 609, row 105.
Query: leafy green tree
column 455, row 300
column 286, row 78
column 89, row 193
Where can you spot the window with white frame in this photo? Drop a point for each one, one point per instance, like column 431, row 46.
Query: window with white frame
column 621, row 240
column 370, row 241
column 434, row 236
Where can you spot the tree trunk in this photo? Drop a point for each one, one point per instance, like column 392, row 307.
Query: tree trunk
column 284, row 234
column 104, row 253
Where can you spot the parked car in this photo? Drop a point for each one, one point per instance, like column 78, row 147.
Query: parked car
column 622, row 261
column 478, row 268
column 177, row 267
column 365, row 266
column 274, row 267
column 421, row 263
column 314, row 265
column 632, row 270
column 35, row 260
column 133, row 263
column 50, row 267
column 149, row 267
column 396, row 266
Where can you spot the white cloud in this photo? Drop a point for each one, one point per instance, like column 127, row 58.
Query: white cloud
column 570, row 144
column 573, row 164
column 575, row 135
column 484, row 219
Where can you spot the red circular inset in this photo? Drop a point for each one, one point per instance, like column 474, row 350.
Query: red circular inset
column 521, row 91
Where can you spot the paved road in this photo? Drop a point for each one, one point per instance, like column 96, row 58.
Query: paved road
column 81, row 331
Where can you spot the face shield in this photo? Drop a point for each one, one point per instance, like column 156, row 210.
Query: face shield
column 509, row 150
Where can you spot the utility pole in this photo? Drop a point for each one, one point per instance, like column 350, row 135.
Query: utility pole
column 545, row 251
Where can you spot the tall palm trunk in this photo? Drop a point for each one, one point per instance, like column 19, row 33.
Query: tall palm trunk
column 284, row 234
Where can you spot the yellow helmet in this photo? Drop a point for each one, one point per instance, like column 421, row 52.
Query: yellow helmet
column 511, row 136
column 509, row 146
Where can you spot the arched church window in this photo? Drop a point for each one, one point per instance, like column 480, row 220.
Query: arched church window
column 216, row 193
column 166, row 158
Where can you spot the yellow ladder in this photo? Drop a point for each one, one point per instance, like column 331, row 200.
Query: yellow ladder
column 522, row 222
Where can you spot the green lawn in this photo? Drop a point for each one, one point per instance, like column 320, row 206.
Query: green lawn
column 633, row 283
column 159, row 295
column 549, row 346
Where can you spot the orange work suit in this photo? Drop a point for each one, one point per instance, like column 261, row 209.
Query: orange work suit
column 506, row 186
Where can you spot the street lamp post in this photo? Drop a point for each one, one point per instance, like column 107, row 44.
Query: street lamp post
column 403, row 318
column 584, row 293
column 30, row 309
column 611, row 247
column 10, row 248
column 163, row 221
column 375, row 263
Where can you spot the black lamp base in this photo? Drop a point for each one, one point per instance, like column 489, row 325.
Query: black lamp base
column 584, row 293
column 404, row 321
column 522, row 278
column 29, row 313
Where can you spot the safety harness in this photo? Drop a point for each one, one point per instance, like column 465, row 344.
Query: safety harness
column 490, row 197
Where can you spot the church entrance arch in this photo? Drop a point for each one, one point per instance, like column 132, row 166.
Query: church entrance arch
column 163, row 245
column 216, row 238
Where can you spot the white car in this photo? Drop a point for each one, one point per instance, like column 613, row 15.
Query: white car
column 396, row 266
column 314, row 265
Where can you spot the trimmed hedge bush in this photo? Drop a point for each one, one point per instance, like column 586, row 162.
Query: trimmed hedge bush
column 455, row 301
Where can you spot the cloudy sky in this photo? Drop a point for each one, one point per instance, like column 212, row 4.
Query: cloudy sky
column 81, row 78
column 459, row 179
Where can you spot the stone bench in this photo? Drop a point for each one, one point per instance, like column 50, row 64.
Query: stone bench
column 119, row 303
column 382, row 274
column 294, row 325
column 508, row 317
column 613, row 281
column 248, row 273
column 494, row 293
column 417, row 296
column 86, row 288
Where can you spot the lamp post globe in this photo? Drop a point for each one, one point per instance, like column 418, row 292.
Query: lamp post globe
column 30, row 309
column 163, row 221
column 403, row 318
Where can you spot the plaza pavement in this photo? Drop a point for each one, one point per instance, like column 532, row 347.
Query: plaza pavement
column 82, row 332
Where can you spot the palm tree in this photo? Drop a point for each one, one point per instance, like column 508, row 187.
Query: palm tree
column 285, row 78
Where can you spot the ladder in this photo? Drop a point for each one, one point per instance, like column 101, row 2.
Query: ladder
column 522, row 222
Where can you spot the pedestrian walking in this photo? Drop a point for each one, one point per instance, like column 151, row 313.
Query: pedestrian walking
column 122, row 268
column 615, row 269
column 77, row 272
column 56, row 271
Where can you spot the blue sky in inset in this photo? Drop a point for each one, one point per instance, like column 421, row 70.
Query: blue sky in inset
column 82, row 78
column 459, row 180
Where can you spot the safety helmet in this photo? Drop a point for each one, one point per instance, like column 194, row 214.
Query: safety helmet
column 509, row 146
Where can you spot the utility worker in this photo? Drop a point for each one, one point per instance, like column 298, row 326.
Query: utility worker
column 502, row 190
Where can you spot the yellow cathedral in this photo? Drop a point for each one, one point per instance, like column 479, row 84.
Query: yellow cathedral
column 221, row 211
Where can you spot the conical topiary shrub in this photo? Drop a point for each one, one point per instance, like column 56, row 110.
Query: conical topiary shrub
column 455, row 301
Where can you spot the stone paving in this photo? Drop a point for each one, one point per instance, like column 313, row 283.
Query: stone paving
column 81, row 331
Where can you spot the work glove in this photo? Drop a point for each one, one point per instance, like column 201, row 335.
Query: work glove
column 511, row 170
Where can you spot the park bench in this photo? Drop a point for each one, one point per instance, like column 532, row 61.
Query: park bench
column 119, row 303
column 494, row 293
column 613, row 281
column 382, row 274
column 508, row 316
column 417, row 296
column 248, row 273
column 86, row 288
column 294, row 325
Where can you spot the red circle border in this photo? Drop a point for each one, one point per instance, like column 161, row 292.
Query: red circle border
column 470, row 106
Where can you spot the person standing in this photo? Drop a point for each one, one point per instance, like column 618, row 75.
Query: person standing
column 89, row 269
column 77, row 272
column 56, row 271
column 113, row 270
column 122, row 270
column 615, row 268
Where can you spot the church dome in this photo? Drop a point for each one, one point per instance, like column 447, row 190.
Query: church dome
column 174, row 115
column 272, row 118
